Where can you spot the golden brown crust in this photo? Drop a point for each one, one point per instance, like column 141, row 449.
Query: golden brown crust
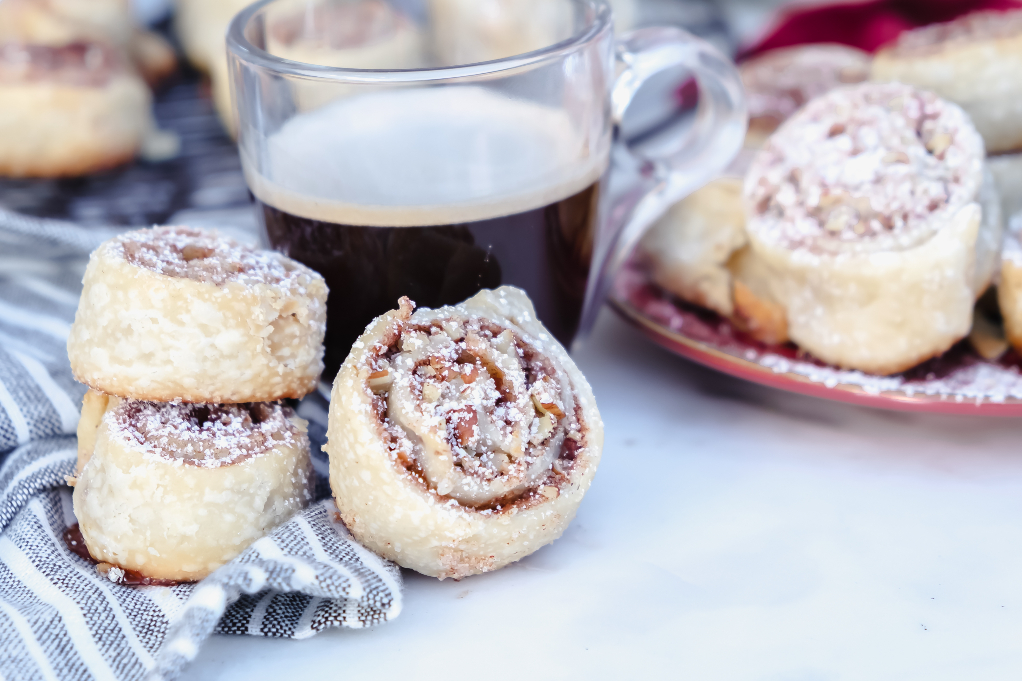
column 1009, row 296
column 763, row 319
column 987, row 338
column 153, row 55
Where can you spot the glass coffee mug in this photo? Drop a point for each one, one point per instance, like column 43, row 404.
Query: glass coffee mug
column 432, row 149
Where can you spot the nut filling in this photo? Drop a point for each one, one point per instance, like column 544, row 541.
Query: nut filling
column 481, row 416
column 867, row 164
column 205, row 435
column 206, row 257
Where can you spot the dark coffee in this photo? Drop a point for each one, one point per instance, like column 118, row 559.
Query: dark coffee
column 545, row 251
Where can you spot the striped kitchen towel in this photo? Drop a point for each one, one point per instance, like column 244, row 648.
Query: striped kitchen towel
column 59, row 619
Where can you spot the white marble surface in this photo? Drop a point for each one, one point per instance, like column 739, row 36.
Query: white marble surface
column 733, row 532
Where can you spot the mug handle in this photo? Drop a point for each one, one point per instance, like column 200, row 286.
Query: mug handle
column 651, row 185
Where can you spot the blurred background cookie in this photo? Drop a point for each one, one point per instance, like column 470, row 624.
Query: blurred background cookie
column 471, row 31
column 60, row 22
column 973, row 61
column 69, row 110
column 73, row 75
column 690, row 246
column 1007, row 173
column 779, row 82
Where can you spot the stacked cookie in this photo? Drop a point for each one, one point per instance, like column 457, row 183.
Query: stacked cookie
column 187, row 341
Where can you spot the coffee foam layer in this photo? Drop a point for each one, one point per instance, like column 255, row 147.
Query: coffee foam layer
column 427, row 157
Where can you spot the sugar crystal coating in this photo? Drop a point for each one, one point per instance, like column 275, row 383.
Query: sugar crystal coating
column 871, row 161
column 204, row 256
column 484, row 482
column 474, row 408
column 206, row 435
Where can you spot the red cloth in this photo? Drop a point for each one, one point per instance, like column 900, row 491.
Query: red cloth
column 866, row 25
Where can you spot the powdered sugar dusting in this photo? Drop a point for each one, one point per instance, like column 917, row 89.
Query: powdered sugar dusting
column 780, row 81
column 206, row 435
column 871, row 163
column 474, row 408
column 973, row 380
column 207, row 257
column 959, row 375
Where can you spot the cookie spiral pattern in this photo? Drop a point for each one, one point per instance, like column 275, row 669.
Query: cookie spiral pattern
column 462, row 438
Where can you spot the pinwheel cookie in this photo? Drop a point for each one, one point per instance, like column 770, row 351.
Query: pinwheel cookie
column 973, row 61
column 470, row 31
column 61, row 22
column 174, row 491
column 58, row 22
column 370, row 34
column 698, row 250
column 875, row 224
column 176, row 313
column 462, row 438
column 68, row 110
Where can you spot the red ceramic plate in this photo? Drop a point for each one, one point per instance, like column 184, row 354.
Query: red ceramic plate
column 958, row 382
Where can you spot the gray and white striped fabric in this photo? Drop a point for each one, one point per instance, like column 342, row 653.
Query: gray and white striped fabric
column 59, row 619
